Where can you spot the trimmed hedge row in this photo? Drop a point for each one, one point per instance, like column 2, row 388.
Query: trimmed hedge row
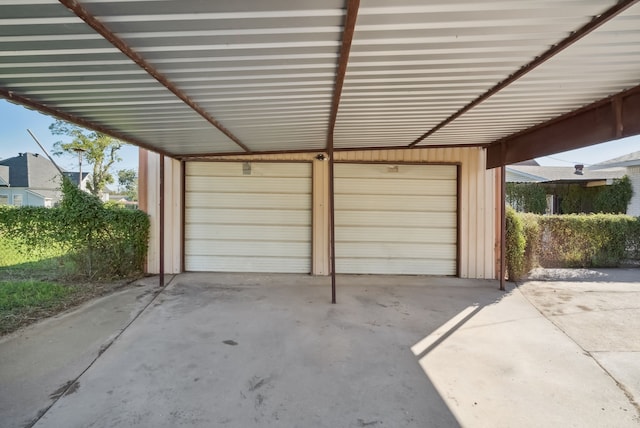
column 576, row 240
column 103, row 242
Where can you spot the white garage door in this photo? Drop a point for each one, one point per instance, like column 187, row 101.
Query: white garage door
column 396, row 219
column 248, row 217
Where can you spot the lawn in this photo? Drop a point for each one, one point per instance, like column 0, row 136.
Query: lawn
column 37, row 285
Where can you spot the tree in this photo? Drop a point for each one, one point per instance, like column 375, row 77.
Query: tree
column 128, row 183
column 100, row 151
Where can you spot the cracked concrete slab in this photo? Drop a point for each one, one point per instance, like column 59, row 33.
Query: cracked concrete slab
column 39, row 363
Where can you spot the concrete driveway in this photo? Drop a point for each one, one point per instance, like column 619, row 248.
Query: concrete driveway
column 270, row 351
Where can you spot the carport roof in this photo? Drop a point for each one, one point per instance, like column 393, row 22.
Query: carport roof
column 193, row 78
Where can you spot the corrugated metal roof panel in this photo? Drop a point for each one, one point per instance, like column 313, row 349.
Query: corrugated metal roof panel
column 266, row 69
column 595, row 67
column 453, row 50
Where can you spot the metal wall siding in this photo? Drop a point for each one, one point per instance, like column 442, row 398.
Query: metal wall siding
column 248, row 223
column 477, row 210
column 363, row 204
column 173, row 213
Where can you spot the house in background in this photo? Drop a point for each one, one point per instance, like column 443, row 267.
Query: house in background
column 32, row 180
column 631, row 165
column 557, row 180
column 73, row 176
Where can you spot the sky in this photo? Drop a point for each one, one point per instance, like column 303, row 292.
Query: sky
column 14, row 138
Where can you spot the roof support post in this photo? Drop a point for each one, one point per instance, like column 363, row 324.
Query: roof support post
column 347, row 38
column 332, row 228
column 503, row 220
column 161, row 221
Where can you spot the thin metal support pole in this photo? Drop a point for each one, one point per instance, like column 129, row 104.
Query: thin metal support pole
column 332, row 229
column 503, row 227
column 161, row 221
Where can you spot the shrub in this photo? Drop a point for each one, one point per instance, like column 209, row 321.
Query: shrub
column 103, row 242
column 597, row 240
column 531, row 230
column 515, row 246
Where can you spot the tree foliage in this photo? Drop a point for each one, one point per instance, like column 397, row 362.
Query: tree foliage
column 527, row 197
column 128, row 183
column 615, row 198
column 612, row 199
column 100, row 151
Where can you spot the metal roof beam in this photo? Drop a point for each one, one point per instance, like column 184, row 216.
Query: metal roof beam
column 595, row 23
column 27, row 102
column 605, row 120
column 101, row 29
column 347, row 38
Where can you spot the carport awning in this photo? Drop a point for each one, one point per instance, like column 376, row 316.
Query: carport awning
column 192, row 78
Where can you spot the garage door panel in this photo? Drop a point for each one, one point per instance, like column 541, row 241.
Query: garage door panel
column 385, row 218
column 241, row 220
column 239, row 185
column 396, row 219
column 396, row 266
column 252, row 217
column 258, row 169
column 397, row 203
column 213, row 247
column 247, row 200
column 403, row 250
column 251, row 232
column 244, row 264
column 357, row 186
column 389, row 234
column 404, row 171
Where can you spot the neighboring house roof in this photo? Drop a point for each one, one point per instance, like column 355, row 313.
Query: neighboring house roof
column 631, row 159
column 530, row 162
column 73, row 175
column 32, row 171
column 542, row 174
column 47, row 194
column 4, row 175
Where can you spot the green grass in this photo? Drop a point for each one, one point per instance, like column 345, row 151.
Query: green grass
column 30, row 284
column 38, row 284
column 23, row 302
column 15, row 295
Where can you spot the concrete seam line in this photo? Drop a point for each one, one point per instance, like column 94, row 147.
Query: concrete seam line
column 620, row 385
column 101, row 351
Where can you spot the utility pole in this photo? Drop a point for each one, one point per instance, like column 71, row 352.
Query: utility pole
column 79, row 151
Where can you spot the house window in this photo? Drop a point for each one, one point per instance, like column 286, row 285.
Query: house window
column 4, row 200
column 17, row 200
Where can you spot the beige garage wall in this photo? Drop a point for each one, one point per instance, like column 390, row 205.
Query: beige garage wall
column 149, row 201
column 479, row 203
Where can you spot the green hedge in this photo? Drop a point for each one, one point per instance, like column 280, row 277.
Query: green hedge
column 103, row 242
column 576, row 240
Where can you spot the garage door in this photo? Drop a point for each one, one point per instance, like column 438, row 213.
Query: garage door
column 248, row 217
column 396, row 219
